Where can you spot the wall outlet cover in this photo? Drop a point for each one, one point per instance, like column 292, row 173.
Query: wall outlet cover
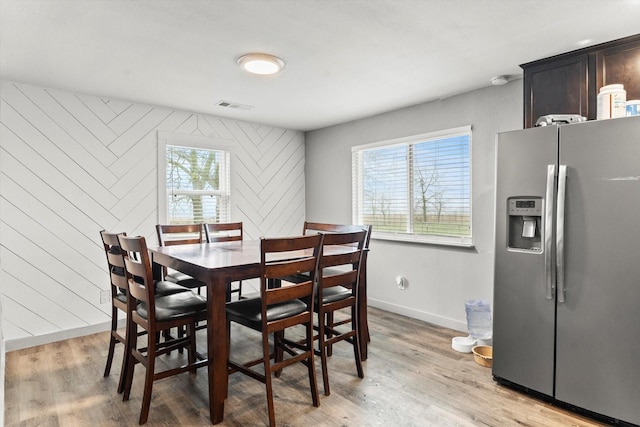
column 104, row 296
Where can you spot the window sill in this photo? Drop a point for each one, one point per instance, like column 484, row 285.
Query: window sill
column 460, row 242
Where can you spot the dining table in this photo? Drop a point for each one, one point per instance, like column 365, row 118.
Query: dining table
column 217, row 265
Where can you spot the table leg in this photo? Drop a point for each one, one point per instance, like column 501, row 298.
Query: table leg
column 217, row 348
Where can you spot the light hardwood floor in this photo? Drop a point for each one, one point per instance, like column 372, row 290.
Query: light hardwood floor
column 412, row 378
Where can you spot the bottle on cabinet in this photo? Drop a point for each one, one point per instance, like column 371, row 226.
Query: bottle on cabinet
column 612, row 100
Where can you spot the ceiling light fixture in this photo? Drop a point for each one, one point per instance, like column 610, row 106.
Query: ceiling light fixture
column 499, row 80
column 261, row 63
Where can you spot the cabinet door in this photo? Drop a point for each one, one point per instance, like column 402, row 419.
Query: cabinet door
column 620, row 64
column 556, row 87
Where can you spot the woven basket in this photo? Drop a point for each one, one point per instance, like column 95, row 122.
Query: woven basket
column 483, row 355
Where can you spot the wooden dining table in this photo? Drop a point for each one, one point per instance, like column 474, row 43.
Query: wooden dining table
column 217, row 265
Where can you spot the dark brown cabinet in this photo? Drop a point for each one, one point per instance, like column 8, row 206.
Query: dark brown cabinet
column 569, row 83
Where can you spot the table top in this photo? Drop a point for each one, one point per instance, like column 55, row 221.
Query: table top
column 220, row 255
column 214, row 255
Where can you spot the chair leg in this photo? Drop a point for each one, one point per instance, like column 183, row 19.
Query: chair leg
column 125, row 355
column 180, row 332
column 227, row 295
column 123, row 372
column 132, row 344
column 278, row 342
column 148, row 380
column 112, row 340
column 356, row 342
column 191, row 334
column 323, row 353
column 329, row 335
column 311, row 366
column 267, row 376
column 228, row 340
column 129, row 335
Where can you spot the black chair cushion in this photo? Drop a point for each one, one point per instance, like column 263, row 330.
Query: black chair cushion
column 122, row 297
column 169, row 288
column 248, row 312
column 183, row 280
column 301, row 277
column 335, row 293
column 296, row 278
column 175, row 306
column 118, row 271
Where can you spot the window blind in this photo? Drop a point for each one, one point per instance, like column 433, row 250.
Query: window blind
column 416, row 188
column 197, row 185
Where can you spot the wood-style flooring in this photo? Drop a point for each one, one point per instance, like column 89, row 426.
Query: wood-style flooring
column 412, row 378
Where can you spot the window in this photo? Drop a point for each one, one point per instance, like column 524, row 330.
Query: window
column 416, row 188
column 195, row 174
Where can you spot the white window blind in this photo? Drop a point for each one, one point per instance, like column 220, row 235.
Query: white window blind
column 197, row 185
column 416, row 188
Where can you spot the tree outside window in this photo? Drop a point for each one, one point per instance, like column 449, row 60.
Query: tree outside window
column 197, row 185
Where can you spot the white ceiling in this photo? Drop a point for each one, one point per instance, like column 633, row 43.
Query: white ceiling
column 346, row 59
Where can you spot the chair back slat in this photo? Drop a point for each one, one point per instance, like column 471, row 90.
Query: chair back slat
column 325, row 227
column 337, row 228
column 138, row 267
column 349, row 264
column 328, row 228
column 223, row 232
column 282, row 257
column 347, row 279
column 115, row 262
column 179, row 234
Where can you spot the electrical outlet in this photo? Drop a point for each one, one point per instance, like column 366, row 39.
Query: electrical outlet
column 104, row 296
column 401, row 282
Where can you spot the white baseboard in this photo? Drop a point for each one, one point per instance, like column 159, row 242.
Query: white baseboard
column 32, row 341
column 420, row 315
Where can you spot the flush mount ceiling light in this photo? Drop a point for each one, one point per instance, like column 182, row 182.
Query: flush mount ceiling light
column 261, row 63
column 499, row 80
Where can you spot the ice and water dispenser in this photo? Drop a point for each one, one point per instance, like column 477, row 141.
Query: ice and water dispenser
column 525, row 223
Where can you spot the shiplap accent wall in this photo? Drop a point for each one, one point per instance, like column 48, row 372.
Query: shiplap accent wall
column 73, row 164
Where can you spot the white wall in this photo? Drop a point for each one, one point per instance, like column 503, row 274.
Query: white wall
column 72, row 165
column 440, row 278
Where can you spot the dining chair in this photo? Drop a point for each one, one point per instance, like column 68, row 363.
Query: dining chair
column 279, row 308
column 180, row 234
column 338, row 288
column 155, row 314
column 321, row 227
column 118, row 283
column 225, row 232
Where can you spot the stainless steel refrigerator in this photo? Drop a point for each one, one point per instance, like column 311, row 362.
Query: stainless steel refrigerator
column 567, row 265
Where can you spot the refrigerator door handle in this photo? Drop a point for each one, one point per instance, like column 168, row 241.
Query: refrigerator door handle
column 562, row 184
column 549, row 266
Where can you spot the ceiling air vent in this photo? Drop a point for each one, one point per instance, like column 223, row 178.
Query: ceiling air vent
column 234, row 105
